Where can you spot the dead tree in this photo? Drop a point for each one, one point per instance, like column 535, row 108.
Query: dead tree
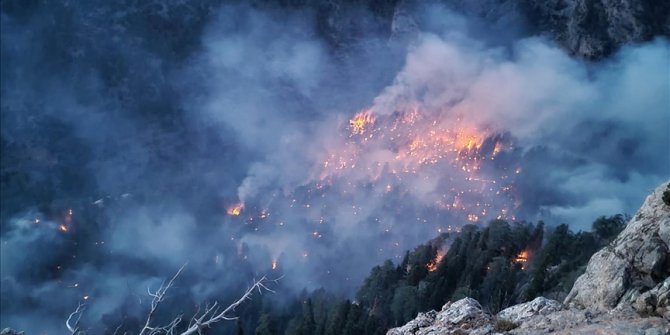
column 211, row 315
column 72, row 322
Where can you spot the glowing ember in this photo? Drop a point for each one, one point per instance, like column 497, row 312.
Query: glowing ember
column 236, row 209
column 274, row 264
column 361, row 122
column 264, row 214
column 397, row 148
column 63, row 228
column 522, row 258
column 432, row 265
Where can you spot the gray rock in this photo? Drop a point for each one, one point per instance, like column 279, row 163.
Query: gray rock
column 422, row 320
column 538, row 306
column 460, row 311
column 463, row 316
column 655, row 301
column 596, row 28
column 636, row 261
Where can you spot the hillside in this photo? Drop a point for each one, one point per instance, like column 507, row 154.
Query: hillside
column 625, row 290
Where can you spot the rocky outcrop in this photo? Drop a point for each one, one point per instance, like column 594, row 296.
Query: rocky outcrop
column 522, row 312
column 629, row 268
column 591, row 29
column 573, row 321
column 422, row 321
column 653, row 302
column 625, row 290
column 463, row 316
column 540, row 316
column 596, row 28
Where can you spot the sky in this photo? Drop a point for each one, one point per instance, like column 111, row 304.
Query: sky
column 253, row 140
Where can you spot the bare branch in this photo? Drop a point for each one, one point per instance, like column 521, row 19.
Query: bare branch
column 158, row 297
column 211, row 315
column 74, row 328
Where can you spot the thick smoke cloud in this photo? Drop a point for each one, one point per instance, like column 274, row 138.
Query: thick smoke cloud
column 149, row 131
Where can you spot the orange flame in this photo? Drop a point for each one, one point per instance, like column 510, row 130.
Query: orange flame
column 236, row 209
column 361, row 122
column 274, row 264
column 522, row 258
column 395, row 148
column 432, row 265
column 63, row 228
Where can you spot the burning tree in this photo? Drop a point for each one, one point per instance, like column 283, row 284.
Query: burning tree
column 212, row 313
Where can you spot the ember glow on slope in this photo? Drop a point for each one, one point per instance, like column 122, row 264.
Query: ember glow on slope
column 319, row 168
column 449, row 142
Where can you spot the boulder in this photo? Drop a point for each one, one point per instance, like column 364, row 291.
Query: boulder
column 463, row 310
column 521, row 312
column 421, row 321
column 464, row 316
column 635, row 262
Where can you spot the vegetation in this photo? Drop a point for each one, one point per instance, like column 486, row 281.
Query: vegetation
column 500, row 264
column 504, row 325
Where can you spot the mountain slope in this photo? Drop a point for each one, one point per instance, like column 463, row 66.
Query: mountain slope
column 625, row 290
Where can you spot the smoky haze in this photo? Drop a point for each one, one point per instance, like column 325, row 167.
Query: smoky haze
column 233, row 137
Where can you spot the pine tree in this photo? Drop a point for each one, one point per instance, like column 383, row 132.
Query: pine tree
column 266, row 325
column 338, row 319
column 308, row 326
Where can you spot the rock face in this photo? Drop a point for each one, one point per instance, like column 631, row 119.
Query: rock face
column 521, row 312
column 591, row 29
column 588, row 28
column 463, row 316
column 625, row 290
column 595, row 28
column 422, row 321
column 632, row 266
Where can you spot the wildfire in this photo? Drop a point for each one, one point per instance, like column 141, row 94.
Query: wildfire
column 361, row 122
column 274, row 264
column 63, row 228
column 432, row 265
column 522, row 258
column 395, row 149
column 236, row 209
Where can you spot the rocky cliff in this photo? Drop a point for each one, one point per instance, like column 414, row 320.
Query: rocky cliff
column 596, row 28
column 625, row 290
column 634, row 270
column 590, row 29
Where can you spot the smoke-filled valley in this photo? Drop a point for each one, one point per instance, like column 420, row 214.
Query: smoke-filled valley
column 307, row 142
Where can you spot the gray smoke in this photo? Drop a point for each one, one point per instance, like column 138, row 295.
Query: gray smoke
column 150, row 121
